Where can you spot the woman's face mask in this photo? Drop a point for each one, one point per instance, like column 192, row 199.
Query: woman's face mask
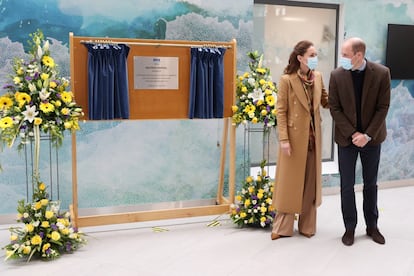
column 312, row 62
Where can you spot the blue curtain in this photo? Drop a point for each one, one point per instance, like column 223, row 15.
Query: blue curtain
column 206, row 83
column 108, row 81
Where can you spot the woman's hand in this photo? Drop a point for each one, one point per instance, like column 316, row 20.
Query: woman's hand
column 285, row 147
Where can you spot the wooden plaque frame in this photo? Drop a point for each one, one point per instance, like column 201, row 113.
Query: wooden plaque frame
column 160, row 104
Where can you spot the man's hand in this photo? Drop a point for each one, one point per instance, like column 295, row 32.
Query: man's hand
column 359, row 139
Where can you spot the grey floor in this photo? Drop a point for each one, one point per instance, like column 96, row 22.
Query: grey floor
column 191, row 247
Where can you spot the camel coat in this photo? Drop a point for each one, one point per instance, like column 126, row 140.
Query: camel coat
column 293, row 124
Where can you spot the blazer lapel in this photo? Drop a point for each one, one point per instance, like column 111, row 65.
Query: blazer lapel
column 367, row 83
column 299, row 90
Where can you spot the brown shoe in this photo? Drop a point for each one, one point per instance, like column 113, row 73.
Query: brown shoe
column 376, row 236
column 274, row 236
column 348, row 237
column 306, row 234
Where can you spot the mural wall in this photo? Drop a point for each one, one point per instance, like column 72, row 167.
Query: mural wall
column 138, row 162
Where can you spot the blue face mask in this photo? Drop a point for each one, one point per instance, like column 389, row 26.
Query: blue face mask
column 312, row 62
column 345, row 63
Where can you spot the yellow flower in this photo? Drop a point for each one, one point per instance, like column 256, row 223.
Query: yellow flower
column 264, row 173
column 251, row 189
column 259, row 178
column 243, row 214
column 37, row 205
column 274, row 112
column 42, row 186
column 9, row 253
column 36, row 240
column 246, row 75
column 263, row 209
column 268, row 92
column 45, row 247
column 64, row 231
column 261, row 70
column 45, row 224
column 27, row 250
column 249, row 179
column 16, row 80
column 44, row 201
column 23, row 97
column 66, row 97
column 247, row 203
column 68, row 125
column 19, row 71
column 259, row 195
column 47, row 107
column 244, row 89
column 270, row 100
column 259, row 102
column 57, row 103
column 234, row 108
column 38, row 121
column 48, row 61
column 263, row 219
column 249, row 108
column 263, row 112
column 6, row 122
column 5, row 102
column 262, row 81
column 44, row 76
column 29, row 228
column 238, row 198
column 254, row 120
column 65, row 111
column 52, row 84
column 268, row 200
column 49, row 214
column 55, row 236
column 13, row 238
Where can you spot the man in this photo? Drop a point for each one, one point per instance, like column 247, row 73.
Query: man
column 359, row 98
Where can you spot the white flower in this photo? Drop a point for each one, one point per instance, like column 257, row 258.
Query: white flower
column 60, row 225
column 46, row 46
column 251, row 81
column 257, row 95
column 30, row 113
column 37, row 223
column 39, row 51
column 32, row 87
column 25, row 215
column 44, row 94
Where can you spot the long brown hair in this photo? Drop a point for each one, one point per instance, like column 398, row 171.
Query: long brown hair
column 300, row 49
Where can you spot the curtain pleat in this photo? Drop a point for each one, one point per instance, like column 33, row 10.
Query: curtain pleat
column 108, row 81
column 206, row 83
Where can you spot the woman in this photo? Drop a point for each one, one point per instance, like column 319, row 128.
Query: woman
column 298, row 172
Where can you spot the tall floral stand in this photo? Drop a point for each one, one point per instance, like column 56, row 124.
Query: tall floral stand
column 253, row 205
column 49, row 159
column 259, row 144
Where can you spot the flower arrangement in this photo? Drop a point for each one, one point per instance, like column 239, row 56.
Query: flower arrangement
column 38, row 100
column 256, row 95
column 37, row 96
column 254, row 202
column 46, row 234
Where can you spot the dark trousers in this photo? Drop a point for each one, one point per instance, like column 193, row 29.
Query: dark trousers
column 370, row 157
